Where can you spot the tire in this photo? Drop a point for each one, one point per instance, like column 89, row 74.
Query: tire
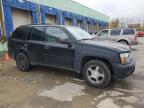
column 22, row 62
column 100, row 77
column 124, row 42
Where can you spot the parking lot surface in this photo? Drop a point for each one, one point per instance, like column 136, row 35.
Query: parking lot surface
column 45, row 87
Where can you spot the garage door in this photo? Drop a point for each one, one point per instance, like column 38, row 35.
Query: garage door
column 79, row 24
column 0, row 30
column 95, row 28
column 88, row 27
column 51, row 19
column 68, row 22
column 21, row 17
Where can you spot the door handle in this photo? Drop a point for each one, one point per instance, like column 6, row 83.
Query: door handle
column 46, row 47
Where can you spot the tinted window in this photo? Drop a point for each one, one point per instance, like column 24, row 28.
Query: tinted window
column 128, row 32
column 55, row 35
column 29, row 33
column 37, row 33
column 115, row 32
column 18, row 34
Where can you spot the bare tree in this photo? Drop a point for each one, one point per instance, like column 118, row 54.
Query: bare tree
column 115, row 23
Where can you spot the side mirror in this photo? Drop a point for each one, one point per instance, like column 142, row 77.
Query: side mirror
column 67, row 42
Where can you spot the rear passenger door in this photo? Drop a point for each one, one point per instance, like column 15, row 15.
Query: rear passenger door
column 115, row 34
column 56, row 51
column 17, row 40
column 34, row 44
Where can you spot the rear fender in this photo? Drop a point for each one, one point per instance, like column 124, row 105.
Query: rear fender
column 124, row 39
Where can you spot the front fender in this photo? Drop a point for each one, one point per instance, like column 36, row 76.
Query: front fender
column 109, row 56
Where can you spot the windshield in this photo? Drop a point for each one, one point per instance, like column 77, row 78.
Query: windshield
column 79, row 33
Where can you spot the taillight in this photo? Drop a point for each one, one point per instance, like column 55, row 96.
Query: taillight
column 136, row 37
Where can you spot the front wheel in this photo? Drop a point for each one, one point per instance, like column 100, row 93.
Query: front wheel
column 22, row 62
column 96, row 73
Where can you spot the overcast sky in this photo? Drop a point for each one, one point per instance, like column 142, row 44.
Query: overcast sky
column 117, row 8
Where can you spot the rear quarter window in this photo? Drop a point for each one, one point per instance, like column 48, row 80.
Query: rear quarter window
column 18, row 34
column 128, row 32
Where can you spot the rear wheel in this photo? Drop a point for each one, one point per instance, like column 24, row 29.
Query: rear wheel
column 96, row 73
column 124, row 42
column 22, row 62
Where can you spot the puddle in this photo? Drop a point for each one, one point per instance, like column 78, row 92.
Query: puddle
column 135, row 90
column 110, row 98
column 65, row 92
column 116, row 93
column 109, row 93
column 107, row 103
column 76, row 79
column 128, row 106
column 130, row 99
column 103, row 95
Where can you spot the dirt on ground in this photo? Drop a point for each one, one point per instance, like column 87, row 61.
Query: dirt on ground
column 45, row 87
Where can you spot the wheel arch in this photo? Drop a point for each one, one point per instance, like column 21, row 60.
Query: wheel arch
column 89, row 58
column 20, row 51
column 126, row 40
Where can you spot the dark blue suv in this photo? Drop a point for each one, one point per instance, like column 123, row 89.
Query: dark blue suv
column 70, row 48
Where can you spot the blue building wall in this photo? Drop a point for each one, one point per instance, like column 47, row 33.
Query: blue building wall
column 7, row 8
column 44, row 10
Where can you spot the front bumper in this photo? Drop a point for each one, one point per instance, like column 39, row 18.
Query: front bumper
column 123, row 70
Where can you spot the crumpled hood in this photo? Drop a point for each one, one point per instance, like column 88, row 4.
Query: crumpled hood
column 108, row 44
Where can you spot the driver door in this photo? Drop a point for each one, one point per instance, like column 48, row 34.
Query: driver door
column 56, row 51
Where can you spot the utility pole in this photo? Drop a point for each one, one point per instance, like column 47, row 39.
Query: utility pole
column 38, row 12
column 109, row 24
column 2, row 20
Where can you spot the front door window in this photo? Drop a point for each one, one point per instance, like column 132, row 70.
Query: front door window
column 55, row 35
column 103, row 33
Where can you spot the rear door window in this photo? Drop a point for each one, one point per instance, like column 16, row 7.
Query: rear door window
column 37, row 33
column 115, row 32
column 29, row 30
column 128, row 32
